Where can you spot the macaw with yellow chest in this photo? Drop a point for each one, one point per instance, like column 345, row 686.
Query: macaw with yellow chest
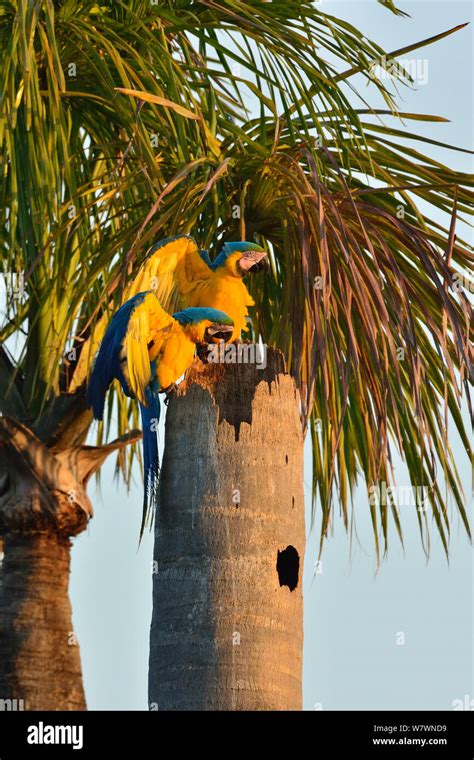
column 147, row 350
column 183, row 275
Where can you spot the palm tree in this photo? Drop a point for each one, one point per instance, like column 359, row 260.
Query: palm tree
column 126, row 122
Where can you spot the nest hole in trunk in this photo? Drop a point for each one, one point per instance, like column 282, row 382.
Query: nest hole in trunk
column 288, row 567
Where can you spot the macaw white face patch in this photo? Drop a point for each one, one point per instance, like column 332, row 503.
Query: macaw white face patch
column 252, row 261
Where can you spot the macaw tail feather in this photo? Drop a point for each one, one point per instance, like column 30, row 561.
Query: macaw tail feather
column 151, row 465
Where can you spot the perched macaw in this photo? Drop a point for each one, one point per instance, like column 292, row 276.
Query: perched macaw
column 147, row 350
column 183, row 275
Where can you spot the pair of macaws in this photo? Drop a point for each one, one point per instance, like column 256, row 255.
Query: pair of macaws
column 147, row 349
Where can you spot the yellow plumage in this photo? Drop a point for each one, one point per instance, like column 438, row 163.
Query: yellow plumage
column 180, row 278
column 153, row 334
column 174, row 271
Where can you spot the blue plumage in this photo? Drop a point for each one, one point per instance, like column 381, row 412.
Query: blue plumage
column 106, row 369
column 193, row 315
column 205, row 257
column 107, row 364
column 150, row 417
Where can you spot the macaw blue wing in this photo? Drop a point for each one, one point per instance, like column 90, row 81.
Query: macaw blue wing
column 124, row 351
column 107, row 365
column 205, row 257
column 124, row 355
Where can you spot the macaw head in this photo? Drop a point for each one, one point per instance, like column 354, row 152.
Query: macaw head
column 204, row 325
column 240, row 259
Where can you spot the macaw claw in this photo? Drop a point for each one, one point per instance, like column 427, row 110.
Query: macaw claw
column 202, row 351
column 168, row 391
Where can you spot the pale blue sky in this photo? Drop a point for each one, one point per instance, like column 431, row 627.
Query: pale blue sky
column 352, row 615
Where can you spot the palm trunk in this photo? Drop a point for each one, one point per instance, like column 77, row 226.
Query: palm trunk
column 41, row 667
column 227, row 627
column 43, row 503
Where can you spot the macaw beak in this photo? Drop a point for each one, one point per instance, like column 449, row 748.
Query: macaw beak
column 252, row 261
column 218, row 333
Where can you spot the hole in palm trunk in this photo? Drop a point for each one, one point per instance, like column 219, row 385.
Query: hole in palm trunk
column 288, row 567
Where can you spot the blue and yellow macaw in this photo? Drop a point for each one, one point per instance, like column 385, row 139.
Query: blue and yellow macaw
column 147, row 350
column 183, row 275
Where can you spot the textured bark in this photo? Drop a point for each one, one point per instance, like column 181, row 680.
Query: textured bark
column 40, row 661
column 43, row 502
column 225, row 634
column 1, row 564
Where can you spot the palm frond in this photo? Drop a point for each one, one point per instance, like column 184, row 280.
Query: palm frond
column 125, row 122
